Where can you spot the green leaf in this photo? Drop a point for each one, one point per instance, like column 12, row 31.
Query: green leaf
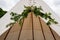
column 40, row 8
column 10, row 24
column 13, row 14
column 56, row 22
column 48, row 23
column 2, row 12
column 49, row 13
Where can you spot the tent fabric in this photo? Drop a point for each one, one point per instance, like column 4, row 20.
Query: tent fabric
column 19, row 7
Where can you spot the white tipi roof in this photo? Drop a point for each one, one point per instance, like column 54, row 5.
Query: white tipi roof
column 18, row 8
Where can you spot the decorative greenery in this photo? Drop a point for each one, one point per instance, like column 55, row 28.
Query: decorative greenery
column 38, row 11
column 2, row 12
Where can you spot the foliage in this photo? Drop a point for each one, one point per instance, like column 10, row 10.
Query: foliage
column 38, row 11
column 10, row 24
column 15, row 16
column 2, row 12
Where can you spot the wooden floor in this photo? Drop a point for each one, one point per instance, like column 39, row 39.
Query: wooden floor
column 33, row 28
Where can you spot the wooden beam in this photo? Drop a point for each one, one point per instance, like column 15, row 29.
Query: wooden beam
column 14, row 32
column 47, row 32
column 26, row 33
column 38, row 35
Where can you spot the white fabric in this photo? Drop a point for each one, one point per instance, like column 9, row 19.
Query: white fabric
column 18, row 8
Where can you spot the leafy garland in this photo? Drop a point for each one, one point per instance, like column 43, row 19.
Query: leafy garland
column 38, row 11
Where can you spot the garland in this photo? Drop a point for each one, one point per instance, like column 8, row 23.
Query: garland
column 38, row 11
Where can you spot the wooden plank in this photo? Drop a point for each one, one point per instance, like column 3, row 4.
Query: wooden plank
column 38, row 35
column 26, row 33
column 57, row 37
column 3, row 35
column 14, row 32
column 46, row 30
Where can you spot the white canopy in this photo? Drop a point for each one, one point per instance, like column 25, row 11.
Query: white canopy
column 18, row 8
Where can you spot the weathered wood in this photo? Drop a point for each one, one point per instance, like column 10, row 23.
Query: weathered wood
column 26, row 33
column 47, row 32
column 38, row 35
column 14, row 32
